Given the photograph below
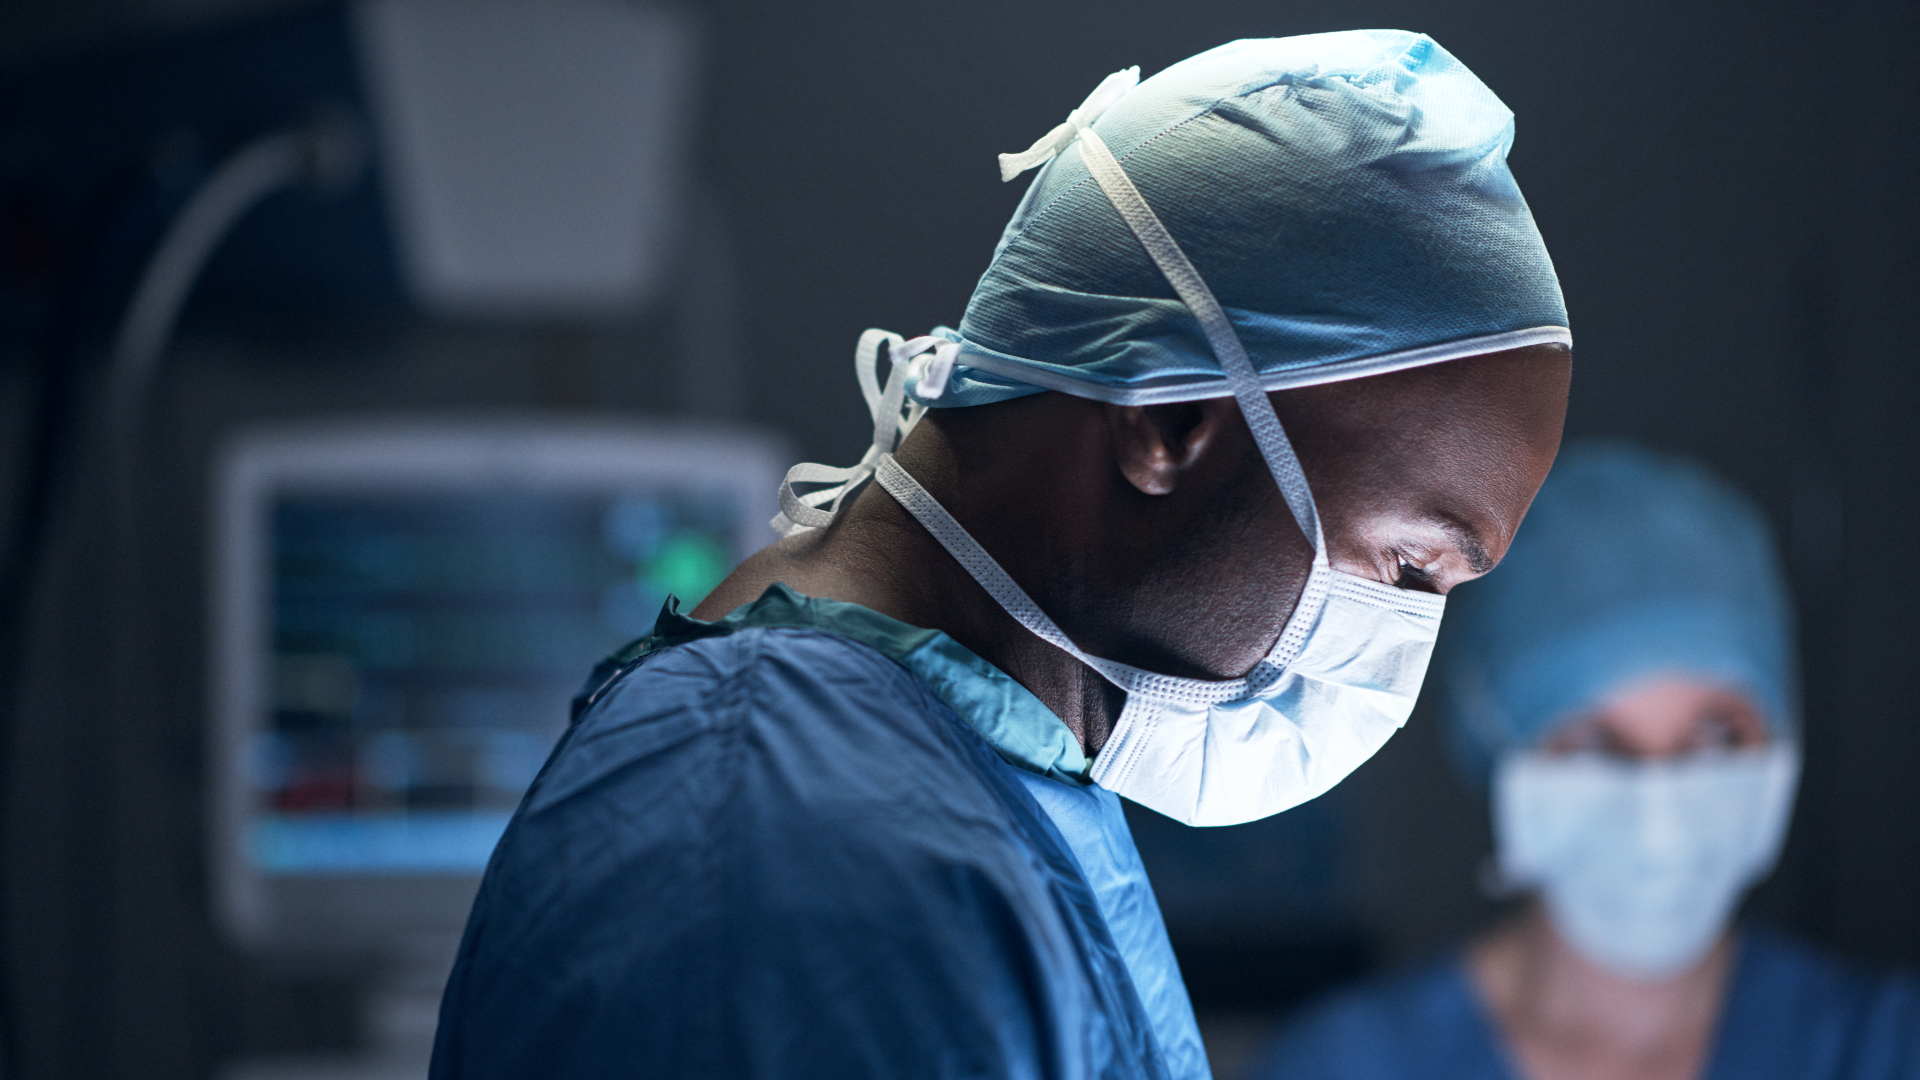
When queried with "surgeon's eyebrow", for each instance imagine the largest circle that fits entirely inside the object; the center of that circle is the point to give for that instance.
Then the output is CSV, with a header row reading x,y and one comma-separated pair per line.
x,y
1466,540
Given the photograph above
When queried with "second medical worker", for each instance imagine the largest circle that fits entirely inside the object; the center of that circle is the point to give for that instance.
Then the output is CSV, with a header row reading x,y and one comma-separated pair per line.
x,y
1625,688
1269,358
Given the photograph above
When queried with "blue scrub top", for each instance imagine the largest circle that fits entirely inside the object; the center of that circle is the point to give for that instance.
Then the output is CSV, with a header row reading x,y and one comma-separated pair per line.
x,y
809,840
1792,1012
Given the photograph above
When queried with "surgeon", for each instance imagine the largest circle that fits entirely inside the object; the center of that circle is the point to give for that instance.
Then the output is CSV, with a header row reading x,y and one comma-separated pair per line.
x,y
1270,357
1625,684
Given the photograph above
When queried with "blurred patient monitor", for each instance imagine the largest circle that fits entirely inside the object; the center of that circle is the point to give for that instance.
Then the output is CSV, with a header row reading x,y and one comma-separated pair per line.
x,y
401,610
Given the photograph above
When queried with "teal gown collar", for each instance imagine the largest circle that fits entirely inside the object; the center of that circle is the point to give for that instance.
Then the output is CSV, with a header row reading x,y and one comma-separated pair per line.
x,y
1006,714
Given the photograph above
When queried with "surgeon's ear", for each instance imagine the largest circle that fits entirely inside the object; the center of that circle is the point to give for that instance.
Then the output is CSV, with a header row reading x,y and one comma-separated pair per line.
x,y
1154,444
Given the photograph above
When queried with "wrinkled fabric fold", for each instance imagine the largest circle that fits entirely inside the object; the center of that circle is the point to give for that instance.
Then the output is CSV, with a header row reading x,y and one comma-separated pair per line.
x,y
811,840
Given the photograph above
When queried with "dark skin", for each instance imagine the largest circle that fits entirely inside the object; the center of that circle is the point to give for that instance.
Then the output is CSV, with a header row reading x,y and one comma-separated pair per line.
x,y
1155,536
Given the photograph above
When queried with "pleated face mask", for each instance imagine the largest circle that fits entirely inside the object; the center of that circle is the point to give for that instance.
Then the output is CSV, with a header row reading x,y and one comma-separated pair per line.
x,y
1642,863
1339,681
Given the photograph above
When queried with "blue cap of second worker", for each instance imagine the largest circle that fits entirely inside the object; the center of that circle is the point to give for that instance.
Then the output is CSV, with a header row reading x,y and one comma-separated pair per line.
x,y
1346,196
1630,564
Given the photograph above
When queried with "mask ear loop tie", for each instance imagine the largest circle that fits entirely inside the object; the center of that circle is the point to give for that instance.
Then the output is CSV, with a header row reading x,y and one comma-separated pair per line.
x,y
1187,283
1193,291
999,584
927,360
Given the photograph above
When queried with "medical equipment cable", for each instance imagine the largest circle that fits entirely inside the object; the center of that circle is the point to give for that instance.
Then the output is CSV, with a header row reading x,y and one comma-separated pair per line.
x,y
327,153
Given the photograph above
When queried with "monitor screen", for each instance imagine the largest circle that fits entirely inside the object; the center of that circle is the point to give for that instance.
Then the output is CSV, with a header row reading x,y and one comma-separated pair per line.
x,y
403,612
425,645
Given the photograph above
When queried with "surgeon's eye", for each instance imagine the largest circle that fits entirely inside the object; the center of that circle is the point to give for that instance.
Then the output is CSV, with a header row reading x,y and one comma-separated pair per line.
x,y
1414,578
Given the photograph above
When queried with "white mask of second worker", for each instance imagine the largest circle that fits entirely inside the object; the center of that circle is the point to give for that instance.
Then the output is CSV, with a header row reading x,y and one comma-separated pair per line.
x,y
1641,864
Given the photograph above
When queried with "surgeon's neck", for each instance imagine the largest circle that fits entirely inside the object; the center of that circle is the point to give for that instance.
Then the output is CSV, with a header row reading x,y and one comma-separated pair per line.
x,y
876,555
1563,1018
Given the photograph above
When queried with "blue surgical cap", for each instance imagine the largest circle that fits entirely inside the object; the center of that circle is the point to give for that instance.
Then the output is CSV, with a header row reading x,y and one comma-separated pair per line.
x,y
1630,565
1345,195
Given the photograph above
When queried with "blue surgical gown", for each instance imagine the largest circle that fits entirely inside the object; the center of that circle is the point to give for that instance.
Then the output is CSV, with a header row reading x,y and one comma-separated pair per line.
x,y
1791,1012
807,840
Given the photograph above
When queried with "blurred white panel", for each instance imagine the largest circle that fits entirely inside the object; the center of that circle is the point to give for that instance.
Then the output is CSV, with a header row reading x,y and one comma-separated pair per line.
x,y
532,152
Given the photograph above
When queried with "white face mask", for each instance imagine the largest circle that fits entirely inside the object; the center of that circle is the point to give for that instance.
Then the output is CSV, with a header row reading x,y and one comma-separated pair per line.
x,y
1642,863
1340,681
1346,669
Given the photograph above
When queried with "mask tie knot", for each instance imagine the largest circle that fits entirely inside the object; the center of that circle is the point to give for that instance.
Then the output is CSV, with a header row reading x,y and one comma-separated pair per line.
x,y
929,362
1111,89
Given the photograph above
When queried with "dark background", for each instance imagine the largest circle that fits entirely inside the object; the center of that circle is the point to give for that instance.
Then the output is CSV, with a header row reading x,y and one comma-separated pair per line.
x,y
1727,189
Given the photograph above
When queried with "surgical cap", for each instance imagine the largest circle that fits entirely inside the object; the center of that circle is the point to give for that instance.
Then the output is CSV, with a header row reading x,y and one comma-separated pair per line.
x,y
1345,195
1631,565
